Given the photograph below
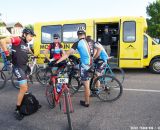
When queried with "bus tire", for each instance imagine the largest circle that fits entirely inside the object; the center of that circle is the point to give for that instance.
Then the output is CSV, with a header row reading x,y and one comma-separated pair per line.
x,y
154,66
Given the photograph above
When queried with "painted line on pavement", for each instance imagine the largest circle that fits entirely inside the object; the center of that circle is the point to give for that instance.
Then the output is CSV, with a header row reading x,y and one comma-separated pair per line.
x,y
142,90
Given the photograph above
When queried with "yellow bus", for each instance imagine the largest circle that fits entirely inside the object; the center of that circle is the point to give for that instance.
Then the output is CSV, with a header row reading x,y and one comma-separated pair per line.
x,y
131,46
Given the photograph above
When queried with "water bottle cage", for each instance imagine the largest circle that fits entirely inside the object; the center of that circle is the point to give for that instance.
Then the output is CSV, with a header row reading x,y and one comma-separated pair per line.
x,y
58,87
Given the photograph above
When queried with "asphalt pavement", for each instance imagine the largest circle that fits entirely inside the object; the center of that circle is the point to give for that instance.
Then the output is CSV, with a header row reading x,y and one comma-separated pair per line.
x,y
137,109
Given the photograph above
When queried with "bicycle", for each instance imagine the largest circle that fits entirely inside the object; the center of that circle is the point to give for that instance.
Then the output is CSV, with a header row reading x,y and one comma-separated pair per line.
x,y
60,77
114,71
32,69
43,74
8,70
108,85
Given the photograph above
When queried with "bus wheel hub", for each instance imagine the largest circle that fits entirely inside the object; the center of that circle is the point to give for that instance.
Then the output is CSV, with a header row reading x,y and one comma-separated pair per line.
x,y
156,66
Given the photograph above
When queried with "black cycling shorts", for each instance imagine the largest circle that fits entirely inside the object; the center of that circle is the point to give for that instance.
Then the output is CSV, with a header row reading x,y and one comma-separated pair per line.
x,y
21,74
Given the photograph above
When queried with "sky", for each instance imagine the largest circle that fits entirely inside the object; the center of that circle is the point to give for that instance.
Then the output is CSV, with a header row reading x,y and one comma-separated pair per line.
x,y
31,11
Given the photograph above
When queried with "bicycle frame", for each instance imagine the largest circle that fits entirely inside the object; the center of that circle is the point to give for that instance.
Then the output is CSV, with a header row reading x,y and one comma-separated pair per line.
x,y
57,95
109,68
32,66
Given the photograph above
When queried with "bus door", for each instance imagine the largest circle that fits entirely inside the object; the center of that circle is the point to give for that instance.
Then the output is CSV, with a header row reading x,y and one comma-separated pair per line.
x,y
113,28
130,44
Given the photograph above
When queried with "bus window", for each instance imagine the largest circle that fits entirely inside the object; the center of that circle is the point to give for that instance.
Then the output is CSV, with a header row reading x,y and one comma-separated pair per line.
x,y
145,47
48,31
70,32
129,31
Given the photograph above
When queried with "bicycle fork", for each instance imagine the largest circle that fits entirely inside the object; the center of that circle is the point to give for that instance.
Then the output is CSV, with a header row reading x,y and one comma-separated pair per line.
x,y
70,103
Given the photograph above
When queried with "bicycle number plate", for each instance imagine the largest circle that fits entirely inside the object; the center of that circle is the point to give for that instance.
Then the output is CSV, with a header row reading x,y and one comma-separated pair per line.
x,y
62,80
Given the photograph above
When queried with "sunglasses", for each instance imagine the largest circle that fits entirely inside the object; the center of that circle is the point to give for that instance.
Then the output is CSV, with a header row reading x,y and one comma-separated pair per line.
x,y
55,38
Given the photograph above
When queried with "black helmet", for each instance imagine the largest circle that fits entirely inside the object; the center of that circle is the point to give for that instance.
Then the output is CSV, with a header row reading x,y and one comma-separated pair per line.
x,y
28,31
56,35
81,30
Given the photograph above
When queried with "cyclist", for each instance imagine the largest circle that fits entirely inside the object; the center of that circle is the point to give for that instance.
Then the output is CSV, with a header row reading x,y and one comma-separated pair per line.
x,y
20,50
100,54
83,48
55,49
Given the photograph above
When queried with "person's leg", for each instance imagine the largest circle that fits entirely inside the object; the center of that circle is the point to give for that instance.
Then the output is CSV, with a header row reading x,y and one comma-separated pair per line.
x,y
22,91
100,70
21,76
87,91
86,82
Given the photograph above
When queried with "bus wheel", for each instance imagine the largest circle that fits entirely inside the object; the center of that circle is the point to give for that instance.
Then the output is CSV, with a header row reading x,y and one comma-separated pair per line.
x,y
155,66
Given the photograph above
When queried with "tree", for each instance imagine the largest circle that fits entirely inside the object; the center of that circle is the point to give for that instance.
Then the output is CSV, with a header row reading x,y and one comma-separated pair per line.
x,y
153,11
30,26
1,24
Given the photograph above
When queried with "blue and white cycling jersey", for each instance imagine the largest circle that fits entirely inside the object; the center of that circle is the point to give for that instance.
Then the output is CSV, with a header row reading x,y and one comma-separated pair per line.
x,y
103,55
83,49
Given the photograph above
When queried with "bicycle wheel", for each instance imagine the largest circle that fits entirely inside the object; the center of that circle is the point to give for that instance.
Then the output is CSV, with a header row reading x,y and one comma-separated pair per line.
x,y
7,71
117,73
43,75
74,85
50,96
110,89
14,81
3,80
68,110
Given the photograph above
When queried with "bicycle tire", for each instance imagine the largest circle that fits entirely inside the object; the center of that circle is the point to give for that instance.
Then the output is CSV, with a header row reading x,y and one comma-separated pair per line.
x,y
117,73
50,96
15,81
68,110
8,73
43,75
3,80
107,81
74,85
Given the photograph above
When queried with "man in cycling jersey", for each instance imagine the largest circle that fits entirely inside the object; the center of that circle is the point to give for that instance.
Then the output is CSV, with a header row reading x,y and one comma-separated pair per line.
x,y
98,52
102,55
20,50
83,48
55,49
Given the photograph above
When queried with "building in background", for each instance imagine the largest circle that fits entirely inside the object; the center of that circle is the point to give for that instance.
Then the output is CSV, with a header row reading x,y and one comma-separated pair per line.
x,y
15,28
11,29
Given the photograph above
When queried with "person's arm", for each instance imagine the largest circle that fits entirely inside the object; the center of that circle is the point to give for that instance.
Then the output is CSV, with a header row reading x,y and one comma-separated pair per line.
x,y
30,51
63,52
97,53
3,44
46,52
66,55
69,52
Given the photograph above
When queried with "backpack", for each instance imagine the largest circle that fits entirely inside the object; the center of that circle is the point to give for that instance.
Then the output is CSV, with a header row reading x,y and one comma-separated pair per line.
x,y
29,104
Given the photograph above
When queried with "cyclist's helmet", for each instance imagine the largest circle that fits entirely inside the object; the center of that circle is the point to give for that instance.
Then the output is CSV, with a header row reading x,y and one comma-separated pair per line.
x,y
56,36
81,30
28,31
